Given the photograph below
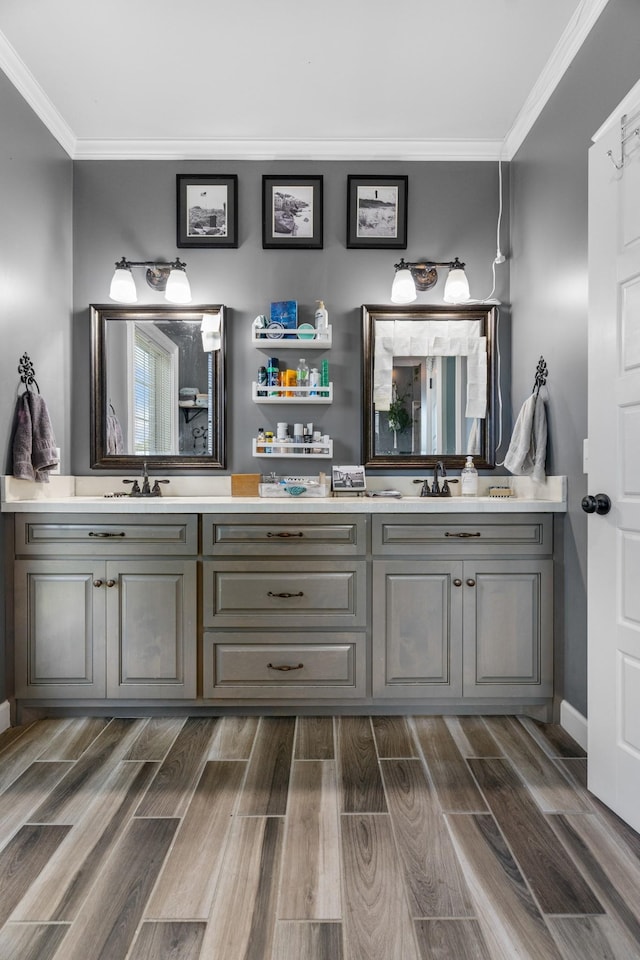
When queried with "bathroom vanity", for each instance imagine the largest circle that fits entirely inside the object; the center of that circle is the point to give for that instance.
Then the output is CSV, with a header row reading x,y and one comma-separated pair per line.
x,y
220,603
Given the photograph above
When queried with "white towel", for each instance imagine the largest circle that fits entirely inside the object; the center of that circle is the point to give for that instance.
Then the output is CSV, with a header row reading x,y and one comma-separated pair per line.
x,y
527,451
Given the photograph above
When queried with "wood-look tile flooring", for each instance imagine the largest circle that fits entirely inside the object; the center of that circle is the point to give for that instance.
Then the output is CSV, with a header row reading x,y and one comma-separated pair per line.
x,y
353,838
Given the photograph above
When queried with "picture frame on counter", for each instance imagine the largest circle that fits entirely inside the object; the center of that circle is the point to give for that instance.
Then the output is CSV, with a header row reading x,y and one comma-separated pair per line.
x,y
207,210
292,214
377,212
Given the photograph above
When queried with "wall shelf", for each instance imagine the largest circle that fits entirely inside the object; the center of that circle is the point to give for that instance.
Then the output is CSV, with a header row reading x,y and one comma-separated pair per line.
x,y
299,394
316,451
289,340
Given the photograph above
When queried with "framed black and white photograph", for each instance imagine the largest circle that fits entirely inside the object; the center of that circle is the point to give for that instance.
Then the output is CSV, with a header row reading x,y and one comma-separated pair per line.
x,y
348,478
207,210
292,212
377,212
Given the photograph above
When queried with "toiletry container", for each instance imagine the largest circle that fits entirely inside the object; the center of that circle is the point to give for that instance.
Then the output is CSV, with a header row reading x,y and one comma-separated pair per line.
x,y
314,382
302,376
322,320
469,479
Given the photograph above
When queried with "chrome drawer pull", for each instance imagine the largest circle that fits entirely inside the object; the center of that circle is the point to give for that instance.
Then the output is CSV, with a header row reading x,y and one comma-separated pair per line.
x,y
457,582
97,583
106,534
111,583
285,667
462,536
285,596
284,535
471,582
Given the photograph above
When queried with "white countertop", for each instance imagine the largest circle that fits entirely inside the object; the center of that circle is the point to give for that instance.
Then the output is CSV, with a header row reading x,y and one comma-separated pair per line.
x,y
212,495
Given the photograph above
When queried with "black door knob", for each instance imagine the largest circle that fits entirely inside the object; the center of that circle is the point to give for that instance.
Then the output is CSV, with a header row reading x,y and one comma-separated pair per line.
x,y
600,504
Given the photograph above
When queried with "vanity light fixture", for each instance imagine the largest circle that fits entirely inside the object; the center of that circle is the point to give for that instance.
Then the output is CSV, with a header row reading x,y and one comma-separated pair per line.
x,y
169,278
423,274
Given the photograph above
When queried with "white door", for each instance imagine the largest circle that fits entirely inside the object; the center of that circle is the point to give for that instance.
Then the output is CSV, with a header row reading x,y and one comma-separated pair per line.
x,y
614,465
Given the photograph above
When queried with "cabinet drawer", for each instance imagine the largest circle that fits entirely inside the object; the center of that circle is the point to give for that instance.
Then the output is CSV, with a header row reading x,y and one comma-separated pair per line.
x,y
446,535
248,665
319,593
301,535
116,535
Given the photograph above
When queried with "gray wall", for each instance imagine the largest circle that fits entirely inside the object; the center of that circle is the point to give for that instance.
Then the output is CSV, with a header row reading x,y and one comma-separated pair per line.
x,y
128,208
35,269
549,283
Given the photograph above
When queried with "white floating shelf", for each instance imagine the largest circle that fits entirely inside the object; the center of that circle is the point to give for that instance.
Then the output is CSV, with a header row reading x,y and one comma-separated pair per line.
x,y
289,340
311,450
298,394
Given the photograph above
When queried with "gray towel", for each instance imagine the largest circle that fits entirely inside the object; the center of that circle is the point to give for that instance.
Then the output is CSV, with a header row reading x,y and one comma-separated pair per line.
x,y
115,442
527,451
34,445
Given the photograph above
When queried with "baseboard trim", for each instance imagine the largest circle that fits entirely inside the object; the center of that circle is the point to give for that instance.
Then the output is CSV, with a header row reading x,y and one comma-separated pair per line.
x,y
5,716
574,723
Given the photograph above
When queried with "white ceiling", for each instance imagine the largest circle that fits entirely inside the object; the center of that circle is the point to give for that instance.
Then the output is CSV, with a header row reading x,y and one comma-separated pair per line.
x,y
353,79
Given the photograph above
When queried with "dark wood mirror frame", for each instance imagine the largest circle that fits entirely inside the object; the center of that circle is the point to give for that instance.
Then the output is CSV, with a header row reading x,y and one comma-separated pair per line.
x,y
370,315
100,458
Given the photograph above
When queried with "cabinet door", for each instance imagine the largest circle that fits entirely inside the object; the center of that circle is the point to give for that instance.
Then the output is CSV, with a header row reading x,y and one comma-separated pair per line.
x,y
508,628
151,623
60,629
417,629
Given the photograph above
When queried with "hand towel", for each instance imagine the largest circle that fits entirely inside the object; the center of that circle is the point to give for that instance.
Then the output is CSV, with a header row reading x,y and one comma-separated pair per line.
x,y
34,444
527,451
115,442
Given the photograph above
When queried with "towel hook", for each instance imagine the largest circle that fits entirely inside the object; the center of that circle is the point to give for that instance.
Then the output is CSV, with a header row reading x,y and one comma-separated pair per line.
x,y
541,375
27,373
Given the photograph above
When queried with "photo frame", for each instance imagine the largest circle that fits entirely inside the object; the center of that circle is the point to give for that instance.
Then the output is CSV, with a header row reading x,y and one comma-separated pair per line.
x,y
292,213
207,210
377,212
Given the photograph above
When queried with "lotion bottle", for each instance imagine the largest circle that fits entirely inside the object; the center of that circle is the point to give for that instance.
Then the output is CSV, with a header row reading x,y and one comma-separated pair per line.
x,y
322,321
469,478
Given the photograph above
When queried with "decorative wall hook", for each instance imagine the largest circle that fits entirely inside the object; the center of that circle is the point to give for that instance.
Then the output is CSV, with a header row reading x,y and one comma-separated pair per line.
x,y
541,375
27,373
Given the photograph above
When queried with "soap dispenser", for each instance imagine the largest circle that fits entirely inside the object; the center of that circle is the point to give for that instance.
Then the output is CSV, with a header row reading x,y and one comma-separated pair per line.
x,y
469,477
322,321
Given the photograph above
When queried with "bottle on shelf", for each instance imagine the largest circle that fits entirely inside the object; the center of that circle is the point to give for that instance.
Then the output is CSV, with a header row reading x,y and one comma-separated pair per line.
x,y
322,321
262,381
273,374
324,377
314,382
302,376
268,441
469,478
260,441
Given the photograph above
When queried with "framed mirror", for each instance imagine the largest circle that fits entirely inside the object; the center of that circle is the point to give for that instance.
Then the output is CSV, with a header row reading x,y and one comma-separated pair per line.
x,y
158,387
428,385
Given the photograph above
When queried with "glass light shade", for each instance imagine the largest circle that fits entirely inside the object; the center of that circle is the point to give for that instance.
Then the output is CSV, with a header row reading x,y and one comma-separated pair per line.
x,y
404,288
123,286
456,288
178,288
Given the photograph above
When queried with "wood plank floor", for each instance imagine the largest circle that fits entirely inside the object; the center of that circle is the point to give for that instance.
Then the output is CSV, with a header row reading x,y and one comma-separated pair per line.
x,y
311,838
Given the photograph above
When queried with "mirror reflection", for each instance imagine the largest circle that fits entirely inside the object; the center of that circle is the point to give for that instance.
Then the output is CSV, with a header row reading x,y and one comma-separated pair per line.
x,y
428,385
158,386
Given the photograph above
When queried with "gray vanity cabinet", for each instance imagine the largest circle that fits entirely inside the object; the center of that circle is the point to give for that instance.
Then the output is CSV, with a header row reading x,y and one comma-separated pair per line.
x,y
284,607
91,627
474,620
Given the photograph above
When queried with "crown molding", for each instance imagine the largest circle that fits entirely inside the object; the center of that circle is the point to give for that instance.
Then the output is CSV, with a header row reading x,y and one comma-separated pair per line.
x,y
313,149
26,84
362,149
573,36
